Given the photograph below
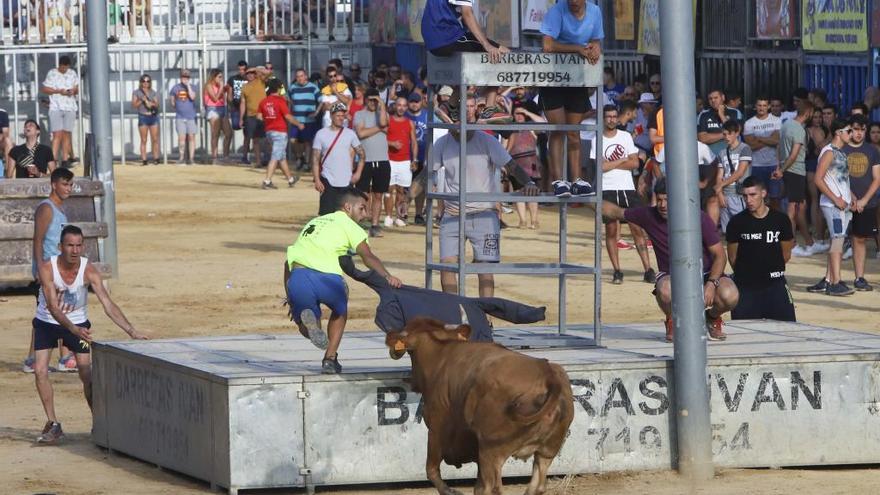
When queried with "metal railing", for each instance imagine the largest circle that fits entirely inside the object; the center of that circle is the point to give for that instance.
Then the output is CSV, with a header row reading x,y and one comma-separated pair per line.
x,y
156,21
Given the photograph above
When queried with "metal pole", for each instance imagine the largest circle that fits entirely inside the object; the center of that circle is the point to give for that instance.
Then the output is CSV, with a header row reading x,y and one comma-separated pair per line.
x,y
99,101
693,426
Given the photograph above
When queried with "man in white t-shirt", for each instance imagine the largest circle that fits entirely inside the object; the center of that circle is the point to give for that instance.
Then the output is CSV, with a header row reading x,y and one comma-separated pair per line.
x,y
761,133
332,159
62,86
619,158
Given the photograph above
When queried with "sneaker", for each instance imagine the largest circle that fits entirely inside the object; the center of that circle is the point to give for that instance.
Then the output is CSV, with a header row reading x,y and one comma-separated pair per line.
x,y
419,220
802,251
617,278
388,221
621,244
52,434
848,253
398,222
715,328
331,366
67,364
292,180
668,324
581,187
561,189
650,276
838,289
155,162
821,246
821,286
507,210
375,231
316,334
145,163
28,365
862,284
267,184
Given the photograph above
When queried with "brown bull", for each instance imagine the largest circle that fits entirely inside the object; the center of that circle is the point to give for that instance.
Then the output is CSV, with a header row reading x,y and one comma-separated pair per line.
x,y
484,403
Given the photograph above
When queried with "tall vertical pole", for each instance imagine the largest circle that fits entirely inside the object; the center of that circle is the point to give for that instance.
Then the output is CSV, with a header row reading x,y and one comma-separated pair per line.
x,y
99,102
693,426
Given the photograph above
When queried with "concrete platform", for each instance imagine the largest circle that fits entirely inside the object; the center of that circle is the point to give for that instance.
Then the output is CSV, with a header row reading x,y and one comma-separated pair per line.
x,y
252,411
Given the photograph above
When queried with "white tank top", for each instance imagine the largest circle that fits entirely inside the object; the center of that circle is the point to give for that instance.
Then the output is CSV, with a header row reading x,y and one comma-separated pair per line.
x,y
74,294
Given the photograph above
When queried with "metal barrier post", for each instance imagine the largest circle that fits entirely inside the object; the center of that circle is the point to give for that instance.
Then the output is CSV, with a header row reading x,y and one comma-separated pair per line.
x,y
99,99
693,425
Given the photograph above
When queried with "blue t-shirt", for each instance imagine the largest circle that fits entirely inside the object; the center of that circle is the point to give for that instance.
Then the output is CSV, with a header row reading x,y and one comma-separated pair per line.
x,y
441,22
303,101
421,124
614,92
561,25
184,103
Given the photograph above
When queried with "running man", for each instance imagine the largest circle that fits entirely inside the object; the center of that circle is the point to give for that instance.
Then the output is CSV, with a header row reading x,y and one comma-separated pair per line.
x,y
62,313
312,275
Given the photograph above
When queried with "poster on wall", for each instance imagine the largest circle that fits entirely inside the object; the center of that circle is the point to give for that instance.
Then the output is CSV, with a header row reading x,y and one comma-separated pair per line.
x,y
624,20
831,25
775,19
875,24
649,26
382,21
498,18
414,10
533,13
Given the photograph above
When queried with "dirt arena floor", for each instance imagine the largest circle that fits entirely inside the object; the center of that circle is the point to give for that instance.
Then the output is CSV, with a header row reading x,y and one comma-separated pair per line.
x,y
187,232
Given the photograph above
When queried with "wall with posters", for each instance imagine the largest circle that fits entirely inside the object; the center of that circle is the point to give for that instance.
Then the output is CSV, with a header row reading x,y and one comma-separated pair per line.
x,y
382,21
775,19
840,26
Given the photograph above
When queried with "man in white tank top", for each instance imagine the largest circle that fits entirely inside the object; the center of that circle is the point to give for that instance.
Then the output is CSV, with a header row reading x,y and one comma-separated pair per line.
x,y
62,314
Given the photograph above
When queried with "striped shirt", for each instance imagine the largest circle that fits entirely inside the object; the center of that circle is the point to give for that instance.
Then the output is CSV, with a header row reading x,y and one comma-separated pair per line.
x,y
303,101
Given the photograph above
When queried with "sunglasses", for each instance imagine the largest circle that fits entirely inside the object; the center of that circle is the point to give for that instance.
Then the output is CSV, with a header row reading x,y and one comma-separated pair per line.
x,y
848,131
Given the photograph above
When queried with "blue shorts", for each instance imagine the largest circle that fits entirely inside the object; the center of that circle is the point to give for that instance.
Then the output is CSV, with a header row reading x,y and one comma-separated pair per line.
x,y
279,145
308,289
305,135
46,336
147,120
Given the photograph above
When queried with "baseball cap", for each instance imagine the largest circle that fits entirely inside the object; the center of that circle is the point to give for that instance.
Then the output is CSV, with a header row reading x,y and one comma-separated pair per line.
x,y
371,92
647,98
338,107
445,91
415,97
185,73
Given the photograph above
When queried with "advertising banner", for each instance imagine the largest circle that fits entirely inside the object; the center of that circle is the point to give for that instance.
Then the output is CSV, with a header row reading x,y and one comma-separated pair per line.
x,y
382,21
649,26
624,20
533,13
775,19
834,26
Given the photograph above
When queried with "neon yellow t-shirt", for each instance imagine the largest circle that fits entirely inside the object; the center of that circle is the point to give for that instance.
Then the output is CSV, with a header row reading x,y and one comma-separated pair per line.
x,y
323,240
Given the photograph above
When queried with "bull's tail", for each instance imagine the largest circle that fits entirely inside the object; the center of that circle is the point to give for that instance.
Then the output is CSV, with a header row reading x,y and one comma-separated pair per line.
x,y
551,400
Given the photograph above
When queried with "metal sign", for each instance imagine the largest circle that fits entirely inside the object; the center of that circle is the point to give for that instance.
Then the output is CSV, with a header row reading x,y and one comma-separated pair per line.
x,y
516,69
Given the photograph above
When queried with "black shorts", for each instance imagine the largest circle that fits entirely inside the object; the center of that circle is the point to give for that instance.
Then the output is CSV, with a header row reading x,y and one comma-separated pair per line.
x,y
621,198
329,198
376,177
795,187
253,128
772,302
46,336
864,224
467,43
573,100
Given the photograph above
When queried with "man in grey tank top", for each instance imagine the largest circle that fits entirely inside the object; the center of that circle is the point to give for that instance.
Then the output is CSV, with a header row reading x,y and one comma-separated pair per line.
x,y
49,219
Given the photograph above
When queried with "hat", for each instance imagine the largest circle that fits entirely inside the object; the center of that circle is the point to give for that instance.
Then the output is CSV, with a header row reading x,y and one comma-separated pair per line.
x,y
445,91
415,97
184,73
647,98
338,107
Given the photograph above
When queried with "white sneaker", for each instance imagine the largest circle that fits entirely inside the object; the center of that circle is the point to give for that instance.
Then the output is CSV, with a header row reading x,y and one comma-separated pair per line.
x,y
801,251
507,210
398,222
821,247
388,221
847,254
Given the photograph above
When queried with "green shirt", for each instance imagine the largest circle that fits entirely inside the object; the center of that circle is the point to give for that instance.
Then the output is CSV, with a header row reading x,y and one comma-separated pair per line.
x,y
323,240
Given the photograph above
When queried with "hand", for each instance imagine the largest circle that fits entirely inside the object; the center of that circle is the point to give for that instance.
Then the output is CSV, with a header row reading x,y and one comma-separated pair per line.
x,y
594,51
531,189
355,177
859,205
722,201
393,281
319,186
135,335
33,171
777,174
83,333
413,165
395,145
495,52
241,122
300,126
708,294
839,202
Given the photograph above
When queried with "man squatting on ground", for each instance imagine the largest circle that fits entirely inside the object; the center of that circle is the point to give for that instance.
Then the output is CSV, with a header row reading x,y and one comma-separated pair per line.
x,y
312,275
62,313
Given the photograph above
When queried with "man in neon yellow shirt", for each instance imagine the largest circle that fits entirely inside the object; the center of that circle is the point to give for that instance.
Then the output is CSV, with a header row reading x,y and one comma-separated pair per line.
x,y
312,275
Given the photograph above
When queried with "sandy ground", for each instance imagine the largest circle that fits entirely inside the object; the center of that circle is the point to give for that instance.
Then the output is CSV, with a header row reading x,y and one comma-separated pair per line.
x,y
185,232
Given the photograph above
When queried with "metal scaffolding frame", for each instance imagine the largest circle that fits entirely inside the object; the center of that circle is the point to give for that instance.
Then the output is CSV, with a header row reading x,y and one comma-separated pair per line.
x,y
462,70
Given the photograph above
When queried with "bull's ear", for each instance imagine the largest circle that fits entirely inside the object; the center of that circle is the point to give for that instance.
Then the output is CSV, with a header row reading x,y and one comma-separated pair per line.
x,y
463,332
396,342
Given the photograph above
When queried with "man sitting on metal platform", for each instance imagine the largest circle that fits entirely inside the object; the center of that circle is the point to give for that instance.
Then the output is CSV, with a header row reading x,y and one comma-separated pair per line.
x,y
450,26
720,294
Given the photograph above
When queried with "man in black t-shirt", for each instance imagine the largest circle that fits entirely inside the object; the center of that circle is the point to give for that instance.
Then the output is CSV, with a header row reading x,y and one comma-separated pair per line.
x,y
233,93
31,159
863,161
710,121
759,242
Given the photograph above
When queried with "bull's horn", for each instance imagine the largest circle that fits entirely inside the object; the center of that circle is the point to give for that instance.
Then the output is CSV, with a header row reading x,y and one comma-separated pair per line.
x,y
464,318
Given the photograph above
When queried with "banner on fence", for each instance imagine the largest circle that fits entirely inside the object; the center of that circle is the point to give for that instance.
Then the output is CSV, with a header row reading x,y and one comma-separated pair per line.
x,y
649,26
533,13
775,19
624,20
834,26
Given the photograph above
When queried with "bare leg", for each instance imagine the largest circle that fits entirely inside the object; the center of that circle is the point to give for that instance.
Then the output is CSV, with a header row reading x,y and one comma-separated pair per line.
x,y
521,214
664,295
611,230
67,145
726,298
574,146
815,212
335,329
142,130
270,170
84,367
486,283
556,116
641,242
860,251
154,141
215,137
448,280
44,386
191,141
375,207
57,145
226,127
834,259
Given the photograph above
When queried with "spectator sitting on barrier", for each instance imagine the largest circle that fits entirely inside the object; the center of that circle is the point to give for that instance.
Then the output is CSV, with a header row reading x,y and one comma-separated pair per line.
x,y
759,242
62,313
62,86
574,26
719,292
312,275
145,101
215,111
31,159
450,26
184,100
